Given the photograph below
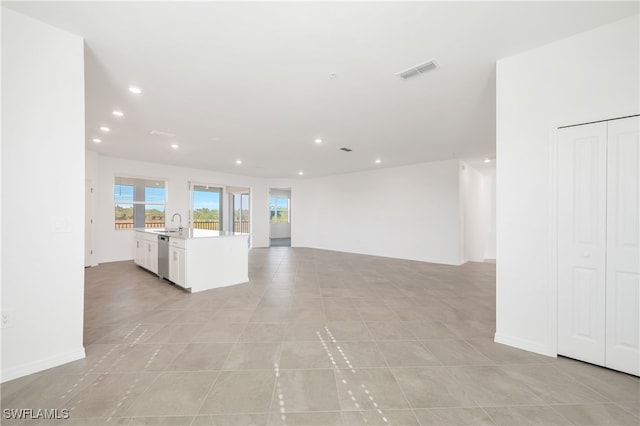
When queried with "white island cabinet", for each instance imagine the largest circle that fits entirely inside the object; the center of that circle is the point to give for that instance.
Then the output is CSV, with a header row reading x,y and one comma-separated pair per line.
x,y
177,261
197,259
146,251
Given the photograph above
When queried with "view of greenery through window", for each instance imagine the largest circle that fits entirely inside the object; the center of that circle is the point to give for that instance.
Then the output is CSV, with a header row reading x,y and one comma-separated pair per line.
x,y
279,208
139,203
206,207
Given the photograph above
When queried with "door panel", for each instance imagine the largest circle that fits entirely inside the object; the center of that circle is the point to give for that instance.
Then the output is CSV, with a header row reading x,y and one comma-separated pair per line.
x,y
623,255
585,306
582,241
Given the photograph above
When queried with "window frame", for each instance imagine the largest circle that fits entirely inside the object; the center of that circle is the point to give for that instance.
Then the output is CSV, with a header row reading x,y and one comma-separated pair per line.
x,y
139,182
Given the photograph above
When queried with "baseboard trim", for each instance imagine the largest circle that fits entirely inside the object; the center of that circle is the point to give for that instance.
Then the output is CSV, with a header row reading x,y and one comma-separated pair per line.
x,y
40,365
523,344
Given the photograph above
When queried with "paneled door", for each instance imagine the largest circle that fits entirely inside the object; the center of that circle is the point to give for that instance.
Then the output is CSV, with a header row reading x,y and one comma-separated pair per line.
x,y
623,238
582,169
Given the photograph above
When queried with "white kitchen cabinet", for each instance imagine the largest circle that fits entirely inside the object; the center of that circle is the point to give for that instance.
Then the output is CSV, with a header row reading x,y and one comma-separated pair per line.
x,y
198,259
177,262
146,251
137,252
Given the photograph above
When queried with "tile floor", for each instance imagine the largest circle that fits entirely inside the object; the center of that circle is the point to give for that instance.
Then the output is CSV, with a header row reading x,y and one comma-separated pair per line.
x,y
316,338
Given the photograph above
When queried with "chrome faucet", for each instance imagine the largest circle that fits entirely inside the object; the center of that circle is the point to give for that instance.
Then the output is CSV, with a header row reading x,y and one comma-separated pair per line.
x,y
180,217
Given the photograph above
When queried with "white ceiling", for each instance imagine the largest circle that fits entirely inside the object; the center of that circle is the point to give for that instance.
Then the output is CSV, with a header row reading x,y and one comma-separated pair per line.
x,y
251,81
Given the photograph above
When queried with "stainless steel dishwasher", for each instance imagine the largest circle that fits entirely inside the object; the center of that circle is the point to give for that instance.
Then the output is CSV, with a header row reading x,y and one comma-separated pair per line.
x,y
163,256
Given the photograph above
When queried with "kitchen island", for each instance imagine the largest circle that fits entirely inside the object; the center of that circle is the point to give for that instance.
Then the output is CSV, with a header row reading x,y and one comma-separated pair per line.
x,y
194,259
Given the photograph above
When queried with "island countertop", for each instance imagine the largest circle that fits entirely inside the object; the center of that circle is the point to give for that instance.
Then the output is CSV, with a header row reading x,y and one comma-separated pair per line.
x,y
190,233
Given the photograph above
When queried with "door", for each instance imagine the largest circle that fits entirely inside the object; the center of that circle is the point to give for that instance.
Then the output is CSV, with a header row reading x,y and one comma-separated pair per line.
x,y
623,238
240,205
582,159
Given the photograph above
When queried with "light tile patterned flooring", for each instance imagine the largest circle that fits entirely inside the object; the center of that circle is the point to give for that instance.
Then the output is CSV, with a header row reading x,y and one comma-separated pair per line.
x,y
316,338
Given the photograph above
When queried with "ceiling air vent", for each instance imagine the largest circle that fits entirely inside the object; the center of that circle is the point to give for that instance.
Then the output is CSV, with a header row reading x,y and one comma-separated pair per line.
x,y
163,134
345,149
421,68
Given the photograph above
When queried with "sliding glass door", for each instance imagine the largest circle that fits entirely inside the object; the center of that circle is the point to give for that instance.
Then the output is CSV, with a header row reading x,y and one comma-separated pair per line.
x,y
206,207
240,213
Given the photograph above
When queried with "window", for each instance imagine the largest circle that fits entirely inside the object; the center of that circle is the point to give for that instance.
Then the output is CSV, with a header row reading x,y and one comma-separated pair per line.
x,y
279,208
206,207
139,203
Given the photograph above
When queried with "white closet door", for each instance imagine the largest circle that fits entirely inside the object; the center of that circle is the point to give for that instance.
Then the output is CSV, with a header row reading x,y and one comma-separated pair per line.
x,y
623,239
582,156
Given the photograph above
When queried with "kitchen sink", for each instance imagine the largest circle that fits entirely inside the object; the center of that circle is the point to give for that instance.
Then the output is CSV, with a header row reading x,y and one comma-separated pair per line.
x,y
166,231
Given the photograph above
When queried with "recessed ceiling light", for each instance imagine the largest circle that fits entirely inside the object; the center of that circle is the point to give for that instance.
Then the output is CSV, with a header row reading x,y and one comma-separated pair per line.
x,y
318,140
105,129
118,113
96,140
238,161
134,89
487,160
378,161
300,172
175,146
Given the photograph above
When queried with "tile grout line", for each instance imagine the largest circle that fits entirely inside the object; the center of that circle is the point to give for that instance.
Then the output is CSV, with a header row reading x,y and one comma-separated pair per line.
x,y
404,395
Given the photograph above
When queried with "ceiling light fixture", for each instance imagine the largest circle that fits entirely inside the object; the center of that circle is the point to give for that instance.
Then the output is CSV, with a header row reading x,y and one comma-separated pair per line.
x,y
238,161
117,113
487,160
135,90
96,140
175,146
318,140
105,129
378,161
300,172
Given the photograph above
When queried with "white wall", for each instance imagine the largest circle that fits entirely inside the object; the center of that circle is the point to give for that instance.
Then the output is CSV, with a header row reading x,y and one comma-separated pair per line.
x,y
490,249
42,195
114,245
281,230
590,76
91,176
409,212
476,200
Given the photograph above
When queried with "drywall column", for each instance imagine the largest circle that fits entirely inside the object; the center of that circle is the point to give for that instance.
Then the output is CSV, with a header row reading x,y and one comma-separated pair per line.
x,y
538,91
42,195
475,193
490,249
